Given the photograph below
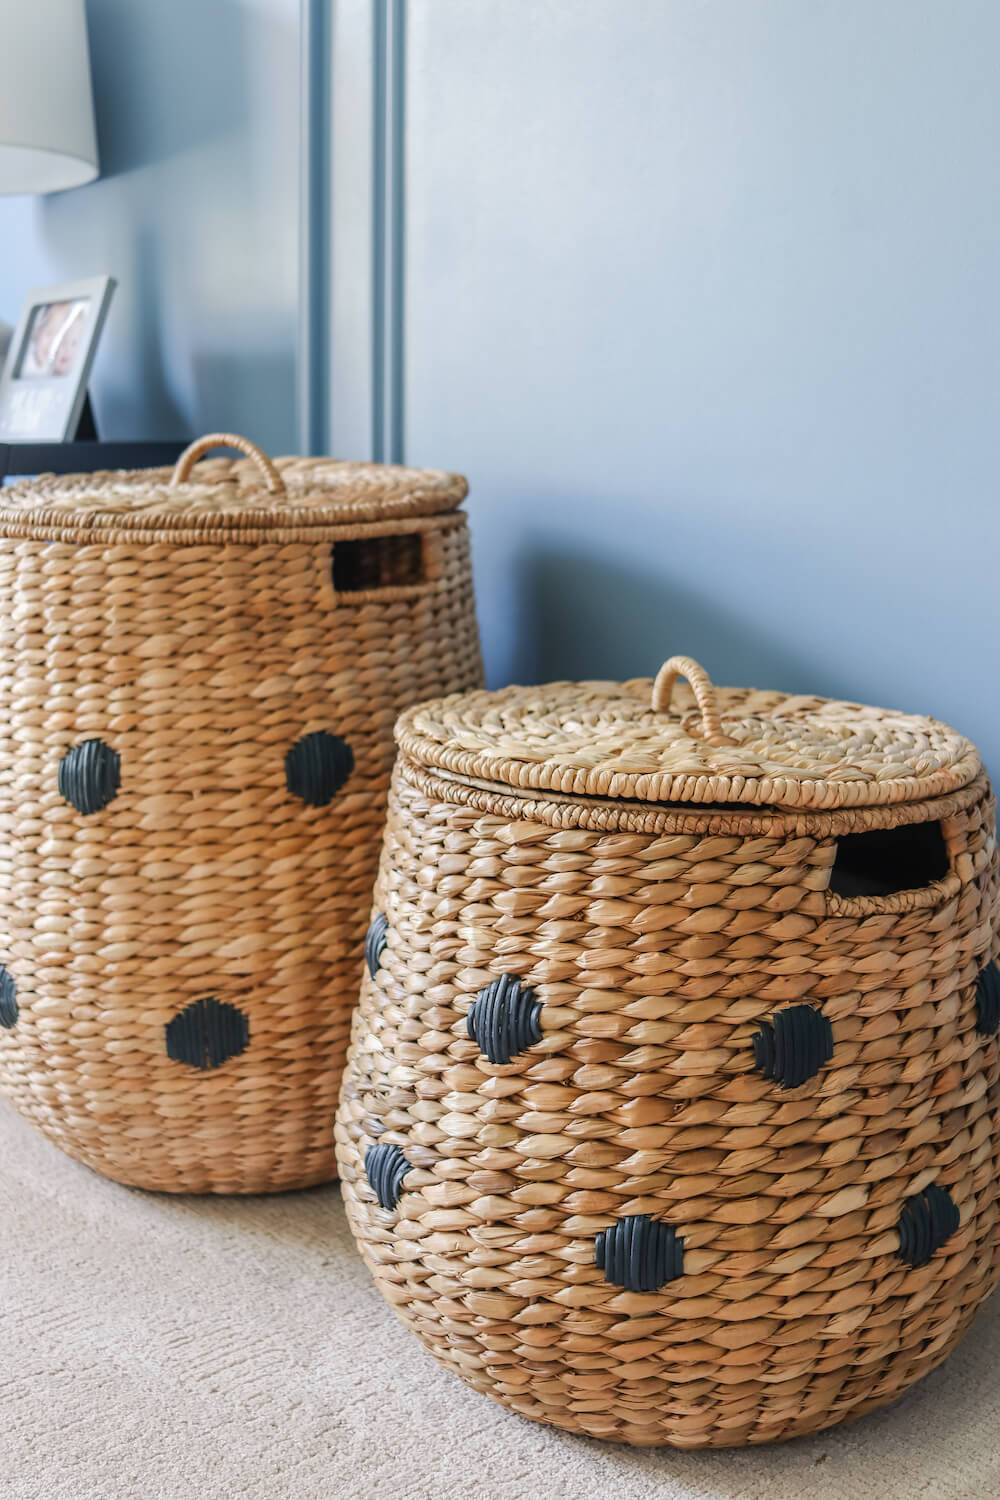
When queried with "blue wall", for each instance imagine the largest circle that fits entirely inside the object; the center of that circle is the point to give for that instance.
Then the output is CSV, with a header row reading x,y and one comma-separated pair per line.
x,y
195,214
704,298
702,295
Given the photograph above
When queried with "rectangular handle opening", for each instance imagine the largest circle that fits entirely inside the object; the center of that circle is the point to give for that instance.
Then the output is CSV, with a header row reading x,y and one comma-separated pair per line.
x,y
366,564
882,861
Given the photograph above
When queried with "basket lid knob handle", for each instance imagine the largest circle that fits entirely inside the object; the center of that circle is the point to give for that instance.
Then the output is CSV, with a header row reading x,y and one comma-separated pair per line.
x,y
704,692
201,446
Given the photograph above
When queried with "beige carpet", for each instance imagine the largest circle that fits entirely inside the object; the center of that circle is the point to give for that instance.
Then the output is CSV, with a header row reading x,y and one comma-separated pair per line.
x,y
204,1347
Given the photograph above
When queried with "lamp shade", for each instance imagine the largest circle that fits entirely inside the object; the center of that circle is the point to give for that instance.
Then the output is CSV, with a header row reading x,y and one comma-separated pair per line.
x,y
47,136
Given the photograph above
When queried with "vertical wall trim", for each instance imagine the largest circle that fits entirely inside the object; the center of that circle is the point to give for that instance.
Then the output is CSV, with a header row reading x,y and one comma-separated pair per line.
x,y
352,257
397,386
388,137
314,218
380,215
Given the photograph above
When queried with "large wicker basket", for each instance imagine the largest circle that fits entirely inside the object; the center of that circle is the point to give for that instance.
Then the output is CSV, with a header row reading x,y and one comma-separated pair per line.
x,y
200,675
670,1114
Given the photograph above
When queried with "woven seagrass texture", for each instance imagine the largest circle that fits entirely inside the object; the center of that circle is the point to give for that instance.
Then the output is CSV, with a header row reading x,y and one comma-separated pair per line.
x,y
645,1226
604,739
253,499
195,750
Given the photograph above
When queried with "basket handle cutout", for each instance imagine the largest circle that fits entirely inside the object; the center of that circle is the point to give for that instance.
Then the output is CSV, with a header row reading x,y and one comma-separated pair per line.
x,y
370,564
704,692
202,445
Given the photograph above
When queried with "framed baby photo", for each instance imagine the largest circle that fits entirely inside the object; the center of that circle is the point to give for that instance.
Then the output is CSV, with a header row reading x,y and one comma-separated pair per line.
x,y
44,381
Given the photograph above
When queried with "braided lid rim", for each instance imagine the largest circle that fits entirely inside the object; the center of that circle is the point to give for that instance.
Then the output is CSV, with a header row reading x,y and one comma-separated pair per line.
x,y
602,739
224,496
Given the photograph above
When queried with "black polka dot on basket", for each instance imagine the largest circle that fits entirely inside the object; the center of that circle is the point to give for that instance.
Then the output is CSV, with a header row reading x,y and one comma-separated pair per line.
x,y
504,1019
317,766
375,942
207,1033
794,1046
988,1000
926,1222
8,998
385,1168
90,776
639,1253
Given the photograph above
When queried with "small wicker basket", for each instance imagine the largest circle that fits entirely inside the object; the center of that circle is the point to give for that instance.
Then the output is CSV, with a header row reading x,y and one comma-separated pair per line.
x,y
670,1112
201,671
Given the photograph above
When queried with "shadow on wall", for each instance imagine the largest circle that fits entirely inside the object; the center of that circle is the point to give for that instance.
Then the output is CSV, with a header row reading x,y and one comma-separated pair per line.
x,y
159,89
141,290
585,616
552,611
230,384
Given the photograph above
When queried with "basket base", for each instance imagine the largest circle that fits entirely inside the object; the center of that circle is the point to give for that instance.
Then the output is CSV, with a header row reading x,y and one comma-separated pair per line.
x,y
711,1421
236,1163
212,1186
203,1179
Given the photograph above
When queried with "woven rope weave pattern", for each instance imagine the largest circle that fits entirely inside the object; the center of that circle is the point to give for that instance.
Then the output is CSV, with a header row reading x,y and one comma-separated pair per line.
x,y
227,498
658,941
184,912
600,739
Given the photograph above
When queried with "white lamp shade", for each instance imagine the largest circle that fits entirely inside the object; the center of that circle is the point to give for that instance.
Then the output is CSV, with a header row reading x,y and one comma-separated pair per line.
x,y
47,136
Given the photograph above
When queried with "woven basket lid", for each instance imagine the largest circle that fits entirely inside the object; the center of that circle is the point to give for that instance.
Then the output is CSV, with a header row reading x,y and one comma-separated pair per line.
x,y
645,741
250,499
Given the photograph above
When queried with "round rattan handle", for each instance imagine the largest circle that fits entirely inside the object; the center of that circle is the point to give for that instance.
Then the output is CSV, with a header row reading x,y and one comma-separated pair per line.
x,y
195,450
704,692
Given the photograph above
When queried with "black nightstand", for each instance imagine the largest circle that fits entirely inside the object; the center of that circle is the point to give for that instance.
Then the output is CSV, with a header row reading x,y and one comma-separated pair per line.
x,y
84,457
